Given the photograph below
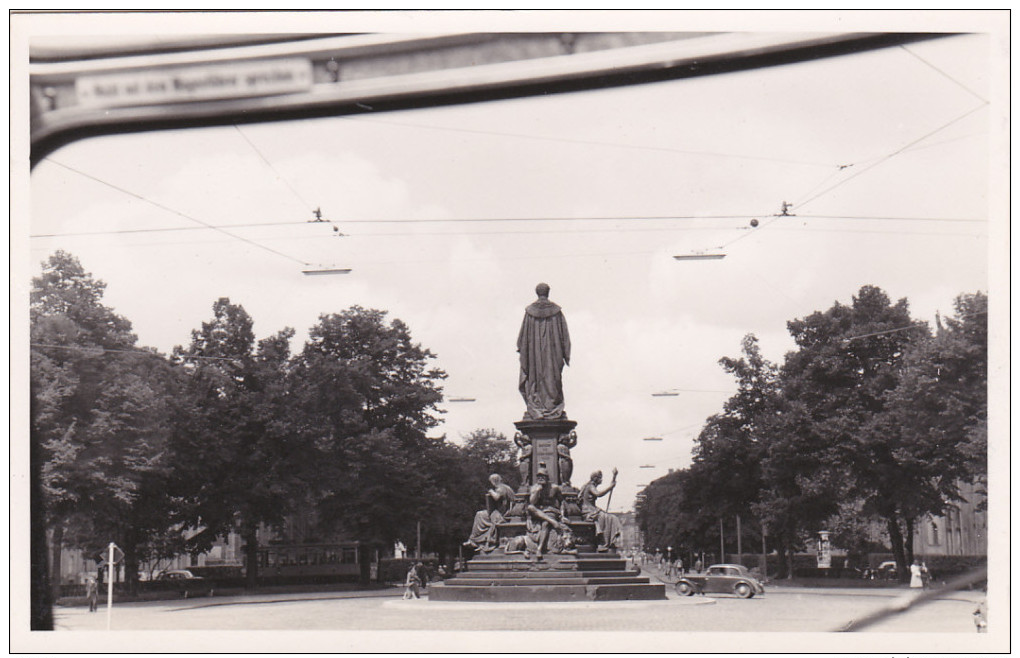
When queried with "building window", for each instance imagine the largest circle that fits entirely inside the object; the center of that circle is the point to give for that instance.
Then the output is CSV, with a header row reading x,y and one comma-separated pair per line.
x,y
934,534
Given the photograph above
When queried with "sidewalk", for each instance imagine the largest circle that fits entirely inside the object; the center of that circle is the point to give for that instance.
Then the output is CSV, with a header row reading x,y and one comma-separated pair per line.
x,y
893,590
278,595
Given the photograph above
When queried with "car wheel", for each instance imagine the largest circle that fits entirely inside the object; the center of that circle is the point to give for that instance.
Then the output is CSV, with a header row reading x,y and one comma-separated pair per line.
x,y
743,590
684,589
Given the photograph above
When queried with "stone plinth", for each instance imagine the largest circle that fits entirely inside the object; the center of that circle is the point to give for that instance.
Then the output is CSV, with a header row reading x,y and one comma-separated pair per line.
x,y
586,576
544,435
581,574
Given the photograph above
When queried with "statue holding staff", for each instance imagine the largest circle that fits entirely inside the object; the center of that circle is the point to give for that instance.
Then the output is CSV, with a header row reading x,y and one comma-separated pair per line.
x,y
606,525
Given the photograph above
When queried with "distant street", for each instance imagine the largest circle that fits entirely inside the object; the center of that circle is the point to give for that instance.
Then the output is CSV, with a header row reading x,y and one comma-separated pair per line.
x,y
781,609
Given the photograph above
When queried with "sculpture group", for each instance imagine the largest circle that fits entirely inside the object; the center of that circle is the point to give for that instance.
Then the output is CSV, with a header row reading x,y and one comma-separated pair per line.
x,y
548,540
546,500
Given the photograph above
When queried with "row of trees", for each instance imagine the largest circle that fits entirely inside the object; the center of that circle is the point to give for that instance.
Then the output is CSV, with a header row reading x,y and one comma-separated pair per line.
x,y
164,453
873,418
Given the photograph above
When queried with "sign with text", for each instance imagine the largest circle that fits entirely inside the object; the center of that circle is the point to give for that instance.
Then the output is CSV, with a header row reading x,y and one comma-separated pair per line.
x,y
195,83
545,452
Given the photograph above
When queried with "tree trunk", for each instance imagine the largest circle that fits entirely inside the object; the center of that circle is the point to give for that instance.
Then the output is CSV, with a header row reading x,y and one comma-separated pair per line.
x,y
131,565
909,541
789,562
899,554
41,596
251,556
56,551
364,564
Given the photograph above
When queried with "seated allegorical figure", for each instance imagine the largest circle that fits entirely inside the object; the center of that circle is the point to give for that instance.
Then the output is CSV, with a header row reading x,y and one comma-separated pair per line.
x,y
498,501
606,525
544,512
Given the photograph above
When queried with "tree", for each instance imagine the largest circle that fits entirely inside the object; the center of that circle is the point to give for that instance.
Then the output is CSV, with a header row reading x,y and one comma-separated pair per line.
x,y
458,480
939,410
838,384
725,477
368,396
495,453
242,460
99,413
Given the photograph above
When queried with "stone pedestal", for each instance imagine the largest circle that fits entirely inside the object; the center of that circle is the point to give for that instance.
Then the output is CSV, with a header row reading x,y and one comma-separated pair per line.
x,y
581,574
545,435
586,576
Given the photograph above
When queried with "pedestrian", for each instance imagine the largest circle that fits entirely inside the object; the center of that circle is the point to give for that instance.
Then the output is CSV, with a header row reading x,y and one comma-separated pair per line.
x,y
423,575
925,575
916,582
981,617
92,593
678,568
698,565
412,583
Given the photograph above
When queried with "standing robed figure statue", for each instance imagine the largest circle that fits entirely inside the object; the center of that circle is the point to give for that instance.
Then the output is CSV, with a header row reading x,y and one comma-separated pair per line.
x,y
544,347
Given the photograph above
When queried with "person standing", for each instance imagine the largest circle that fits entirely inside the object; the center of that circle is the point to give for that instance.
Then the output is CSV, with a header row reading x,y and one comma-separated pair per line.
x,y
916,582
412,583
544,347
92,593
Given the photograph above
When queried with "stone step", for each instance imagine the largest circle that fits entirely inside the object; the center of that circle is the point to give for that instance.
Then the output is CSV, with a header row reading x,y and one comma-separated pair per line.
x,y
547,565
539,580
551,572
549,593
580,555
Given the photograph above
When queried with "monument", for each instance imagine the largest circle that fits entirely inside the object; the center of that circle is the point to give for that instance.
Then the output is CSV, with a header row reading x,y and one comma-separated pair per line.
x,y
552,543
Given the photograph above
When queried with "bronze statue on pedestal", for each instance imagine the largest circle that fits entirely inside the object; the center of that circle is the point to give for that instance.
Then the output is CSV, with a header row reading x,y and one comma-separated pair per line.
x,y
544,347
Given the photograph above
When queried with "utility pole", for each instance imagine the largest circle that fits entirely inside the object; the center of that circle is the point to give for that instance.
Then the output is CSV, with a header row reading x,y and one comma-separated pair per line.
x,y
722,542
740,548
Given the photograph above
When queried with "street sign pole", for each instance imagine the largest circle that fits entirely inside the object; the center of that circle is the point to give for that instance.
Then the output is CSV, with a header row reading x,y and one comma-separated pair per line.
x,y
115,556
109,587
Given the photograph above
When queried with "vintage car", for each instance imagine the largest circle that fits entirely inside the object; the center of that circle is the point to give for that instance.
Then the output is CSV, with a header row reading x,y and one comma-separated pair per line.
x,y
178,574
721,578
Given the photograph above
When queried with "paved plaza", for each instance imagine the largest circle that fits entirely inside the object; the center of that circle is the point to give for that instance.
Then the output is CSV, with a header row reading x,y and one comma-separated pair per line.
x,y
786,618
781,609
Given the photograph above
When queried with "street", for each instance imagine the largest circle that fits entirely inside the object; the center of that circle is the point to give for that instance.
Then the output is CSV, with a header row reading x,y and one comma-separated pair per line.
x,y
781,609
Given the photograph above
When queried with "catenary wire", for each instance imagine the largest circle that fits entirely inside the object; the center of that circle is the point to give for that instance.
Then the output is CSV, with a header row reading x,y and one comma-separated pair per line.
x,y
568,140
949,77
886,157
290,187
99,351
622,218
180,214
911,326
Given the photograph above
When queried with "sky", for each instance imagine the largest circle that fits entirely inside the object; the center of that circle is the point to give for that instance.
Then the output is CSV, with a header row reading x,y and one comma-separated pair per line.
x,y
450,217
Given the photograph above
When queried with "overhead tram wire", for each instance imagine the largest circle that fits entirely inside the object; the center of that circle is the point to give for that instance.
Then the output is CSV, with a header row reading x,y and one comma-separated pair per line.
x,y
319,270
180,214
283,180
623,218
880,160
915,325
886,157
946,75
100,351
568,140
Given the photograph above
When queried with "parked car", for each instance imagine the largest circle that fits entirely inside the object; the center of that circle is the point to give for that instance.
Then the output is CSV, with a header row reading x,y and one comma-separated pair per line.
x,y
886,571
178,574
721,579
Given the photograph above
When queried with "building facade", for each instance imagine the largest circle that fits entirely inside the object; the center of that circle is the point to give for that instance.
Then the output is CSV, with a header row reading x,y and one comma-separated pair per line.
x,y
961,530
